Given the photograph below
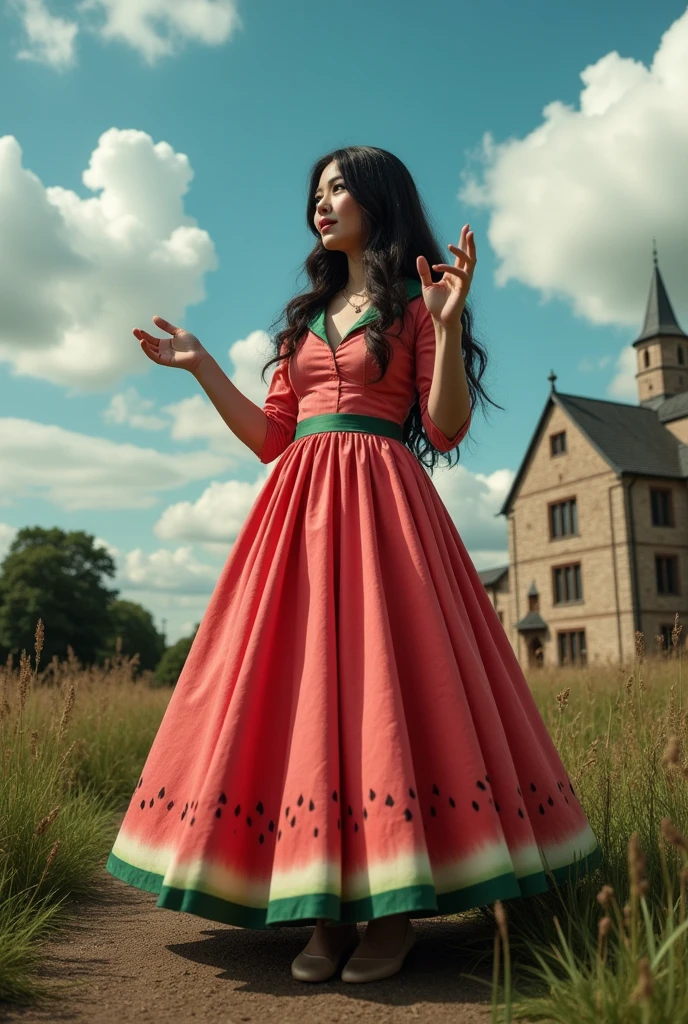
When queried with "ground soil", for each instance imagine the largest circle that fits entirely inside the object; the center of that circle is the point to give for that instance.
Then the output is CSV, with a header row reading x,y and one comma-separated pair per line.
x,y
135,962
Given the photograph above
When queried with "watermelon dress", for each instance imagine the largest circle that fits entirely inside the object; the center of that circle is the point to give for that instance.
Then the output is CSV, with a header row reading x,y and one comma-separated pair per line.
x,y
352,734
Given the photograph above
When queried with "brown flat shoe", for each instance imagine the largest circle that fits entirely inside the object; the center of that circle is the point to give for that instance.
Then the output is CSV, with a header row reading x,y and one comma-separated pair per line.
x,y
374,968
317,967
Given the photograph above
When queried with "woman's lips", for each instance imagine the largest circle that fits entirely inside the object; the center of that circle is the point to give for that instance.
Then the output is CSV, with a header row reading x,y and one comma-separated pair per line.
x,y
326,226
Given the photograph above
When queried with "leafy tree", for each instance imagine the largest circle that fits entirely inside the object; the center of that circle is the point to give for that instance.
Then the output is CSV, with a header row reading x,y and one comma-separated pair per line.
x,y
135,625
57,576
172,662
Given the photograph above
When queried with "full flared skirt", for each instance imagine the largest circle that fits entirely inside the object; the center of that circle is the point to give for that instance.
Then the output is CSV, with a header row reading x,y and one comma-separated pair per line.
x,y
352,734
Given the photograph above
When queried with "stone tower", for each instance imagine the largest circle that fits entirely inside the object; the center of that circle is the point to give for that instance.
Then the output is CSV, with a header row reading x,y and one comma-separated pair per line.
x,y
662,347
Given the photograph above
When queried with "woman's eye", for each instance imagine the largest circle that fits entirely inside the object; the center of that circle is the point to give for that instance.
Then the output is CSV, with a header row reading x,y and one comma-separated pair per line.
x,y
339,185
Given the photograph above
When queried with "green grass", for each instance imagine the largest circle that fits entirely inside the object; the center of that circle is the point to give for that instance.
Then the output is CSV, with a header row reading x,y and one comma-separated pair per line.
x,y
73,741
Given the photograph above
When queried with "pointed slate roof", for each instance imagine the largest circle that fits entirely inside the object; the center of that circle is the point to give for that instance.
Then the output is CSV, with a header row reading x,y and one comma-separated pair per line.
x,y
632,439
660,318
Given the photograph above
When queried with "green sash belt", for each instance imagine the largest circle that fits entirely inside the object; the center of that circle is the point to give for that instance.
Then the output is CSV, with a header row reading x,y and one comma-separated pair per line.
x,y
348,421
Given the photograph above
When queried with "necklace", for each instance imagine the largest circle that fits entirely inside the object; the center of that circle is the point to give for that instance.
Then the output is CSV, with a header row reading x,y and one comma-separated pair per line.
x,y
357,308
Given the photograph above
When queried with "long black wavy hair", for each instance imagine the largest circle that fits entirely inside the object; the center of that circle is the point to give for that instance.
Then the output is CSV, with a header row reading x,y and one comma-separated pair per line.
x,y
396,230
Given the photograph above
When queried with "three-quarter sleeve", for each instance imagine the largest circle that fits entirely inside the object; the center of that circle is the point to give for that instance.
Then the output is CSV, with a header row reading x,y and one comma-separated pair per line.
x,y
281,407
424,347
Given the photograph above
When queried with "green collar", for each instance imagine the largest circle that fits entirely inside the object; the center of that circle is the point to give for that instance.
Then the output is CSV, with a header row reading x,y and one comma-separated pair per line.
x,y
317,324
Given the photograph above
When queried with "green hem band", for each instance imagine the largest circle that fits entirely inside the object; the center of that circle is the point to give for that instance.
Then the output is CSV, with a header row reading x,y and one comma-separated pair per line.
x,y
417,900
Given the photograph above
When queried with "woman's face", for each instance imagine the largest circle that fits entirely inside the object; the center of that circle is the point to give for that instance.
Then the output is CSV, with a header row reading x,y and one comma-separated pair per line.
x,y
334,202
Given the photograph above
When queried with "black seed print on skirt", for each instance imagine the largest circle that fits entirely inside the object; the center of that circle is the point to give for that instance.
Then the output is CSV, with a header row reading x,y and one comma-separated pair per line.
x,y
452,802
435,790
372,794
520,813
389,801
481,785
259,807
222,799
408,814
412,794
170,805
311,805
334,795
261,838
161,793
299,801
475,805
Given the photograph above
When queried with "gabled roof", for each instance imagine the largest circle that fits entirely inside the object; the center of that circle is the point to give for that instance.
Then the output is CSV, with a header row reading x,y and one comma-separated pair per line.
x,y
489,577
631,439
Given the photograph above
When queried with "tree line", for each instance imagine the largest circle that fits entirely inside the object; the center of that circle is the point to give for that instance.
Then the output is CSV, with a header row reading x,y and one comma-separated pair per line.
x,y
61,577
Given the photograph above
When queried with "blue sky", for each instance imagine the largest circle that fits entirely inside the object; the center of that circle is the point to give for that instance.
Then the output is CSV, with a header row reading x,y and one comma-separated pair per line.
x,y
159,165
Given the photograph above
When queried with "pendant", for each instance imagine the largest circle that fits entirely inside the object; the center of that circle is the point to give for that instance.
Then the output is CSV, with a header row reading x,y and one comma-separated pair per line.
x,y
357,308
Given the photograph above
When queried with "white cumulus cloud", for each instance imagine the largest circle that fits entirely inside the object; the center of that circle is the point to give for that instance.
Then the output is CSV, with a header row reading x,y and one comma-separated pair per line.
x,y
75,471
575,204
216,516
77,274
131,408
50,39
177,571
153,28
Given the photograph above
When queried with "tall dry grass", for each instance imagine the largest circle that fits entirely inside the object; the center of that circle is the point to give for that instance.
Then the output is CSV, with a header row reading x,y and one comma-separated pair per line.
x,y
72,742
615,949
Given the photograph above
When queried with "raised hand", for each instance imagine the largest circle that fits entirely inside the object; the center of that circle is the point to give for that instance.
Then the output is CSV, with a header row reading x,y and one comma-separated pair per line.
x,y
183,349
445,299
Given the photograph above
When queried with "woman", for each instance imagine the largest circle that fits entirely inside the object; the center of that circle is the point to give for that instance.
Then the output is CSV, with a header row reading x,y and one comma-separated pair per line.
x,y
352,738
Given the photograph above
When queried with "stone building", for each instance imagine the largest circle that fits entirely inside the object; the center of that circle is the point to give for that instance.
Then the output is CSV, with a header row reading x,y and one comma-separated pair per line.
x,y
597,515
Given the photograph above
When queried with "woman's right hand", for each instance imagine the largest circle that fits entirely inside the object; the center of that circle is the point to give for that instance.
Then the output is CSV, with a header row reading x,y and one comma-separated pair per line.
x,y
183,349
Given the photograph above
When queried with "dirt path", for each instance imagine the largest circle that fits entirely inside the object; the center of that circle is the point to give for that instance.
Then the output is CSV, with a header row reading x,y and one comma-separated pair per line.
x,y
138,962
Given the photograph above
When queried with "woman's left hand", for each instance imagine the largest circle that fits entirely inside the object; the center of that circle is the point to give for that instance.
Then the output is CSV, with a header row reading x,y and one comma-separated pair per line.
x,y
445,299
